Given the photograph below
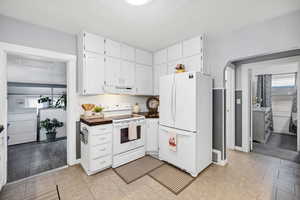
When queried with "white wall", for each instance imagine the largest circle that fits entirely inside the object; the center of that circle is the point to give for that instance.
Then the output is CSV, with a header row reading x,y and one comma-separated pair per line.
x,y
27,70
281,33
26,34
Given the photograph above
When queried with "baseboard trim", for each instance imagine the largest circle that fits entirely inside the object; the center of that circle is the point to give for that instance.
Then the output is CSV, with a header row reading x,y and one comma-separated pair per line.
x,y
238,148
221,163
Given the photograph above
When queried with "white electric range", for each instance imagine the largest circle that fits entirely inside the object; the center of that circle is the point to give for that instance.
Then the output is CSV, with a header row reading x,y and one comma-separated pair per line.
x,y
124,149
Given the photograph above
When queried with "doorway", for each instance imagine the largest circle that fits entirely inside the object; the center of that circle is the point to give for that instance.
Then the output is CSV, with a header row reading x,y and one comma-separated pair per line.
x,y
36,97
270,107
71,115
274,111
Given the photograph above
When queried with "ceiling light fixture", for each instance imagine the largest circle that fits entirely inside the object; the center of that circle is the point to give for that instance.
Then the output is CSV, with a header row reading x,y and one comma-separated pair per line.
x,y
138,2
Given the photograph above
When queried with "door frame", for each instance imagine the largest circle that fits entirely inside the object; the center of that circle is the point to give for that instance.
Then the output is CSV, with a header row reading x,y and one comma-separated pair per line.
x,y
230,106
72,115
247,96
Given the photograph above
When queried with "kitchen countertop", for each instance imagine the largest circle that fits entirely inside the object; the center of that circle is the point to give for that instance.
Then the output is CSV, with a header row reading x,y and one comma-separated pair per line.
x,y
146,114
96,121
108,120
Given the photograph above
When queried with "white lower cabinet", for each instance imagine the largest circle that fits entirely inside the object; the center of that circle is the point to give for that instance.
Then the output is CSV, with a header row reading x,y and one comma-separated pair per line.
x,y
152,136
96,147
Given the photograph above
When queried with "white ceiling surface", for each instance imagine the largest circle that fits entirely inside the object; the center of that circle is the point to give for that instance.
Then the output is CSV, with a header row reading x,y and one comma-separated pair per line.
x,y
152,26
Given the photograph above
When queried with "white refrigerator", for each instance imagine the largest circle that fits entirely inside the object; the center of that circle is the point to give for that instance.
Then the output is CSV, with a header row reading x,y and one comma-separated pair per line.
x,y
185,130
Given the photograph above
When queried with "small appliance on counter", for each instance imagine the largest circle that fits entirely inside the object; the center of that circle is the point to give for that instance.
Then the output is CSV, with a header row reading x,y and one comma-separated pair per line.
x,y
136,108
152,105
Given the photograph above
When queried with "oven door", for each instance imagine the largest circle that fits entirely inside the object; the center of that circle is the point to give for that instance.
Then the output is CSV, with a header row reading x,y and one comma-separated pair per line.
x,y
121,138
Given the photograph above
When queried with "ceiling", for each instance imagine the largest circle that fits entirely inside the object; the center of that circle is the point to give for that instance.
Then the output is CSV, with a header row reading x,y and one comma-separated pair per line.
x,y
152,26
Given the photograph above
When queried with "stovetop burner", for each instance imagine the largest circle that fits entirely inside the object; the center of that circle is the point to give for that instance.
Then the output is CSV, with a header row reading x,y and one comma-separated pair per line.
x,y
120,117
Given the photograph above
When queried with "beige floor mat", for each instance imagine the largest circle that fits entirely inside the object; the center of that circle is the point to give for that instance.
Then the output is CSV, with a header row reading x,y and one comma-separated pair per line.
x,y
138,168
172,178
51,195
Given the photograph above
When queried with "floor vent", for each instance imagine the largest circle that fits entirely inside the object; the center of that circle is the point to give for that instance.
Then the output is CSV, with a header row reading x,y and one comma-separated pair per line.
x,y
216,156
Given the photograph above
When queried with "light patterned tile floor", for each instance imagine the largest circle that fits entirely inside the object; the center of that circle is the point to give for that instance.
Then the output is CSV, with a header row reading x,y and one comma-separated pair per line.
x,y
247,176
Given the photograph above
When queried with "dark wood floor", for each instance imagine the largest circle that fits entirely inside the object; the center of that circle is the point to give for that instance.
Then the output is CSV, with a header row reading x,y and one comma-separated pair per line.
x,y
29,159
279,145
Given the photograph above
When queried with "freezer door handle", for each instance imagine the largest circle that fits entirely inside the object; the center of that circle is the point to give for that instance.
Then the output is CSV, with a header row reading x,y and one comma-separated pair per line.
x,y
166,130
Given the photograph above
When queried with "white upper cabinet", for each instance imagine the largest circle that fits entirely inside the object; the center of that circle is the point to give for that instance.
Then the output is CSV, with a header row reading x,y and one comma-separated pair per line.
x,y
112,48
112,72
160,57
93,74
143,57
159,70
127,74
192,46
194,63
175,52
93,43
127,52
144,80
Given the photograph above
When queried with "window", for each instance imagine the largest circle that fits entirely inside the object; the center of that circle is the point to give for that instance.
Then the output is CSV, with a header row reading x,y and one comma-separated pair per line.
x,y
284,80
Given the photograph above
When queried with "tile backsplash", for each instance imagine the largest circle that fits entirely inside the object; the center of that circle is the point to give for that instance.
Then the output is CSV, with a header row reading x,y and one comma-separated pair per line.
x,y
108,99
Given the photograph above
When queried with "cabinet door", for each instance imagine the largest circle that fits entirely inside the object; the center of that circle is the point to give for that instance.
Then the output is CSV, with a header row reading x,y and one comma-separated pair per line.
x,y
143,57
193,63
152,135
127,52
93,43
127,74
143,78
112,48
175,52
112,71
160,57
192,46
93,74
159,70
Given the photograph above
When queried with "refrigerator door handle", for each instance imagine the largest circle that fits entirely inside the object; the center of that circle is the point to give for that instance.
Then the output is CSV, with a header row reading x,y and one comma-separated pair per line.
x,y
175,106
172,101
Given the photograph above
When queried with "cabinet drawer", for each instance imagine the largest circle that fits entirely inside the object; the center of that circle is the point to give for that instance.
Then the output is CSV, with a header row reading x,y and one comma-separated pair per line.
x,y
101,150
100,139
100,163
98,130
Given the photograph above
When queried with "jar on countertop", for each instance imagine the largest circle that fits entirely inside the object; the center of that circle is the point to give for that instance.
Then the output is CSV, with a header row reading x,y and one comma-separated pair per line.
x,y
136,108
